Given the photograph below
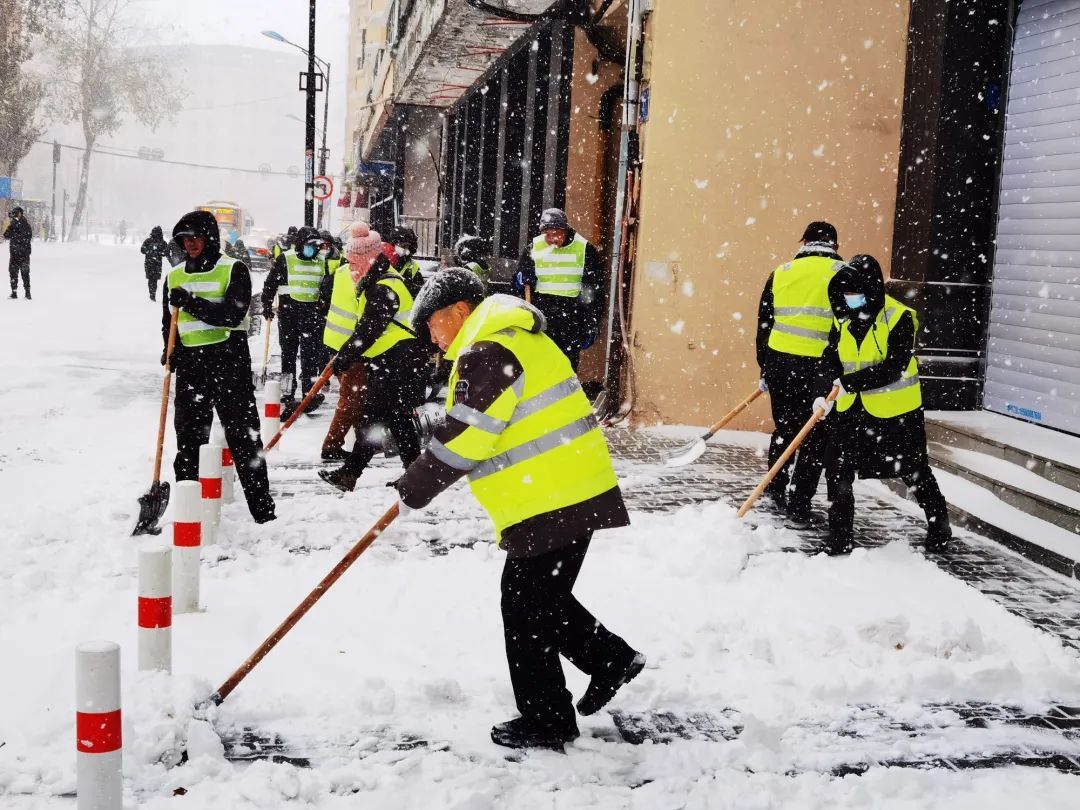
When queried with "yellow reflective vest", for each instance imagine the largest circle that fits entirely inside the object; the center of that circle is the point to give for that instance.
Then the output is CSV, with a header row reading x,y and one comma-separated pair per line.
x,y
399,329
344,310
896,398
303,279
538,447
559,270
802,315
209,286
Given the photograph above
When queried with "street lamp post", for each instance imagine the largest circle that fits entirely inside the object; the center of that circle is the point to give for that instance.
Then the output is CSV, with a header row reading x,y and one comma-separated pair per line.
x,y
309,190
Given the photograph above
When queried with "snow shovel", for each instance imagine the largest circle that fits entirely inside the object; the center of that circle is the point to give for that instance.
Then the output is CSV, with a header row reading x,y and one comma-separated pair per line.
x,y
316,594
819,414
260,380
324,378
152,505
695,449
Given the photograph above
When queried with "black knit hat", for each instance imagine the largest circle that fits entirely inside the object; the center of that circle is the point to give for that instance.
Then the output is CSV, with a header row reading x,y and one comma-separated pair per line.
x,y
553,219
445,288
820,232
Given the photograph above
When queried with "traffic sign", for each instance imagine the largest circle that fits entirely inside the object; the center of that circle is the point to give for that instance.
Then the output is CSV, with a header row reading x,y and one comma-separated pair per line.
x,y
324,187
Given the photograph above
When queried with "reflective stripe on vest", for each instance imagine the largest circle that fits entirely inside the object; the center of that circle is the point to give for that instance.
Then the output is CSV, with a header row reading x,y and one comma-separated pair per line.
x,y
302,284
802,316
559,270
537,448
209,286
398,329
344,310
895,398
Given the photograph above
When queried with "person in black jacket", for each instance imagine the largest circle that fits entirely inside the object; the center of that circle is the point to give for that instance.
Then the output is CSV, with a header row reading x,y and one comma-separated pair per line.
x,y
155,250
213,371
889,442
395,377
19,235
571,309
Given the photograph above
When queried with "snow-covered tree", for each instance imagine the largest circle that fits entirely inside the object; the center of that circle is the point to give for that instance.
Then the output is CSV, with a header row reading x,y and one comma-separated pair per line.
x,y
102,77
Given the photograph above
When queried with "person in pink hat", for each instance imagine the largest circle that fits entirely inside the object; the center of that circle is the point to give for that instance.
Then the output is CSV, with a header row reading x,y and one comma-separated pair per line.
x,y
340,301
385,344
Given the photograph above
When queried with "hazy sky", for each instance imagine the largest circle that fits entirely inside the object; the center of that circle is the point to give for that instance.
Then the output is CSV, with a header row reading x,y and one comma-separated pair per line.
x,y
238,22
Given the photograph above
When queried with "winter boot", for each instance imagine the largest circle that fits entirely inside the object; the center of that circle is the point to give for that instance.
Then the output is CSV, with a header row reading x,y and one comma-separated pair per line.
x,y
938,537
316,401
26,295
838,545
334,454
14,293
775,499
603,686
798,510
340,479
523,733
288,408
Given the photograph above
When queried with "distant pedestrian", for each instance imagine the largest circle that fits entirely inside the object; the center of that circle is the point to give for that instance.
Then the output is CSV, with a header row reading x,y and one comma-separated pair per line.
x,y
19,235
471,252
121,231
155,250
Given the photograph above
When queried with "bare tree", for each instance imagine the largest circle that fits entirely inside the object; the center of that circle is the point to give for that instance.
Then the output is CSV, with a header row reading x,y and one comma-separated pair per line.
x,y
102,78
21,92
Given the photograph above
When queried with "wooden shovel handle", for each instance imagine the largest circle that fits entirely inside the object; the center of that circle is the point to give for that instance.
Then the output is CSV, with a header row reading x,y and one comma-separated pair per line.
x,y
789,451
165,387
324,378
742,406
528,294
361,546
266,346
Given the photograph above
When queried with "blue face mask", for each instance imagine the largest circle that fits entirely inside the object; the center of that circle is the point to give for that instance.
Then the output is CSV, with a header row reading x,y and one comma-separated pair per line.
x,y
855,301
308,251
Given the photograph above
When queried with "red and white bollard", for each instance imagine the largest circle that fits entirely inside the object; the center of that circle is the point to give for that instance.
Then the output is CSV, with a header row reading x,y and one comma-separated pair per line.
x,y
187,538
210,481
228,471
155,607
271,409
99,784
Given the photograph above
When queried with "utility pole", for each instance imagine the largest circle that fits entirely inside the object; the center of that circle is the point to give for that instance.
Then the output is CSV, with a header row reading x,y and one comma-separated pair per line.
x,y
309,123
324,153
52,219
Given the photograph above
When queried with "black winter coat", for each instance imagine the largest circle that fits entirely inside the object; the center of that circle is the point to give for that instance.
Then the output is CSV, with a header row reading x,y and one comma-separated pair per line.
x,y
19,233
154,249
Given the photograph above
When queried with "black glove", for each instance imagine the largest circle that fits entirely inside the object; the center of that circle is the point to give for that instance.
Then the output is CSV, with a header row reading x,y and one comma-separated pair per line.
x,y
172,359
268,310
342,362
179,297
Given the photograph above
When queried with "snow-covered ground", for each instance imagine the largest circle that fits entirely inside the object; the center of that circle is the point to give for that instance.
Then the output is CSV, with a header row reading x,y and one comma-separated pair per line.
x,y
409,644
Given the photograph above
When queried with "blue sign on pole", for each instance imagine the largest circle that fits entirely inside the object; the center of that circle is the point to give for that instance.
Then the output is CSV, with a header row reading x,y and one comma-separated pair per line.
x,y
10,188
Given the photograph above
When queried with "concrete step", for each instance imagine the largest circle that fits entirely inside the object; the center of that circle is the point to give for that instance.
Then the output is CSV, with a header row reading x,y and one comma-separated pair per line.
x,y
1015,481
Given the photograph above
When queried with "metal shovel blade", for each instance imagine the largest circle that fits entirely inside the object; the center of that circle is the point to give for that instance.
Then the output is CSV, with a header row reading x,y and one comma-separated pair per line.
x,y
152,506
687,453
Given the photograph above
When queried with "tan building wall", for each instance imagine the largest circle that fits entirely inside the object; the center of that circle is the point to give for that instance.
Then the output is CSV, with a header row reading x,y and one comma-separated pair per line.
x,y
590,167
762,119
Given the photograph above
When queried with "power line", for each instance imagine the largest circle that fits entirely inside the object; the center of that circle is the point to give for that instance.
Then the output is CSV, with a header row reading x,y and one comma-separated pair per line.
x,y
120,154
234,104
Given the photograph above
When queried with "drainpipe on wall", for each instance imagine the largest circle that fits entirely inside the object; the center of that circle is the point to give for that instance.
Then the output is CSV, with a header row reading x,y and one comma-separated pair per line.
x,y
611,404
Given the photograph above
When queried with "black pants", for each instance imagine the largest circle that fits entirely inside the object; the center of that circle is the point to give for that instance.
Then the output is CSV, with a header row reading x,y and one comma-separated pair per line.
x,y
395,386
152,282
541,621
19,265
206,383
300,331
793,386
922,482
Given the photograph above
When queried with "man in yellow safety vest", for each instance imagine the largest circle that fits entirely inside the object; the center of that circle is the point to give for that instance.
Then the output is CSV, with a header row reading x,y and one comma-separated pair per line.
x,y
212,360
295,278
794,320
520,427
879,431
565,274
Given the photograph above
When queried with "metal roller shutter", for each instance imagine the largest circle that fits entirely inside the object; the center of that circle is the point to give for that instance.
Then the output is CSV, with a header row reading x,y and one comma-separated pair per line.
x,y
1033,354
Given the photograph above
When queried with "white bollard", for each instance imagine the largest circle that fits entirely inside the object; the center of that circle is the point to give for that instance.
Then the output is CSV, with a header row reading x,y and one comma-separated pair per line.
x,y
187,538
155,607
271,409
228,471
99,783
210,481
